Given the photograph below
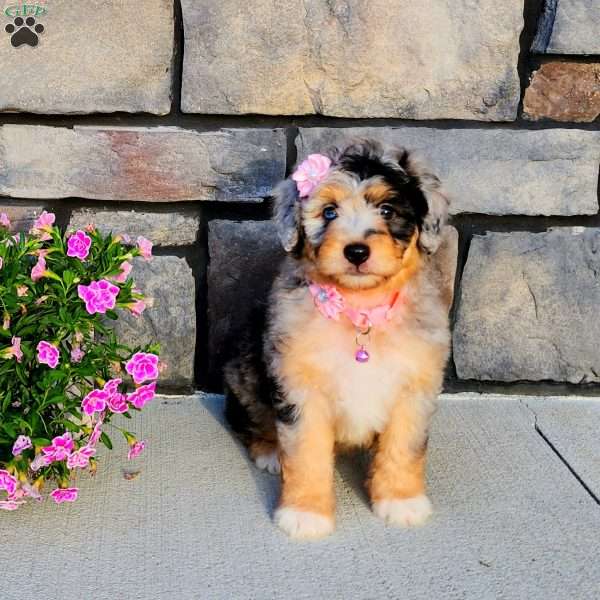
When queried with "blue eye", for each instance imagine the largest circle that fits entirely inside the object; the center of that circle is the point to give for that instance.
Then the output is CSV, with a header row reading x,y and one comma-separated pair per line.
x,y
387,211
330,213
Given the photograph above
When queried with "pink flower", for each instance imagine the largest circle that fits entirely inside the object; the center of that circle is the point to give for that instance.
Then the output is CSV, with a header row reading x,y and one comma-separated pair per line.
x,y
11,504
8,482
95,401
61,495
117,403
135,449
310,173
4,220
81,458
142,367
124,274
48,354
38,462
137,308
77,354
39,269
328,300
42,225
142,395
22,443
21,290
112,385
14,350
20,493
96,432
1,262
45,220
145,247
99,296
60,449
79,245
31,491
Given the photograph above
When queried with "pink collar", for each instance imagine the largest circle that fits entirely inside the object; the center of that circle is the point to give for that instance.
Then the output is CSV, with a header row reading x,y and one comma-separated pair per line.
x,y
331,304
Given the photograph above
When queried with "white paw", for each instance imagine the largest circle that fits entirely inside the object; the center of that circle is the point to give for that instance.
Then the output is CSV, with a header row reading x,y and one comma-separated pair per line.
x,y
268,462
405,513
300,524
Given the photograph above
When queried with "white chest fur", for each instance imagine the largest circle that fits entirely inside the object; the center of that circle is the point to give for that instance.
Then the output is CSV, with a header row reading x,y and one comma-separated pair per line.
x,y
362,394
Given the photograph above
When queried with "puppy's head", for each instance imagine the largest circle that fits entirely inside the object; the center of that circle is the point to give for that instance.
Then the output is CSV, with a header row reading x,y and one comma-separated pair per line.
x,y
373,211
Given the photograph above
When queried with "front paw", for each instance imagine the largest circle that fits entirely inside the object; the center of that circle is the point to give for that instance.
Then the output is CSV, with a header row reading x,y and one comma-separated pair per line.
x,y
302,524
408,512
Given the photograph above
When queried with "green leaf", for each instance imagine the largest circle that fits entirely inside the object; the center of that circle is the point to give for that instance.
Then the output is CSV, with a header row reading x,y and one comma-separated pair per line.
x,y
68,278
71,426
106,441
40,442
9,428
25,426
6,401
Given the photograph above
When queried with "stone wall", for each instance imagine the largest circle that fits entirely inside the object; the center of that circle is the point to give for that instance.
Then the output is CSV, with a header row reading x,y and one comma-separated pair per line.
x,y
174,120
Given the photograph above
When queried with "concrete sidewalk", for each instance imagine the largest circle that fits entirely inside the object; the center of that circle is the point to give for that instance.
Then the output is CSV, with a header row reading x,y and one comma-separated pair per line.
x,y
514,482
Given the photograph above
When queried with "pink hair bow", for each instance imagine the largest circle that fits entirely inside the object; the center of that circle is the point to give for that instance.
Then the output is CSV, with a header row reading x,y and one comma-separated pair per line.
x,y
310,173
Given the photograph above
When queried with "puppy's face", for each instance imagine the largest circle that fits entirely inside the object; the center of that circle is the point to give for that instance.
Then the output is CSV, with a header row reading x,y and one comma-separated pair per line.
x,y
375,208
357,231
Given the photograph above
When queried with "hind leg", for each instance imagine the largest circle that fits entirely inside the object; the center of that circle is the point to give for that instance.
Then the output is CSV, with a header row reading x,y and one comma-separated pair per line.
x,y
254,424
265,455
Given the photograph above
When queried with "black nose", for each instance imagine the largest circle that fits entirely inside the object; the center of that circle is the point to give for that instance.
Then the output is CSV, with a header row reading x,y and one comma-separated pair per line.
x,y
357,253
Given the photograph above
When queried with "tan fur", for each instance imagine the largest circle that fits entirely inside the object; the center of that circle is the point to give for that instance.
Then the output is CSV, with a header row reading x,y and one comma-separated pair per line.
x,y
398,468
377,193
307,460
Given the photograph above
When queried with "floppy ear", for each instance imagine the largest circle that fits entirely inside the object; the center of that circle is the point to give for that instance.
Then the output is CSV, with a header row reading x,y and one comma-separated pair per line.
x,y
436,217
437,204
286,213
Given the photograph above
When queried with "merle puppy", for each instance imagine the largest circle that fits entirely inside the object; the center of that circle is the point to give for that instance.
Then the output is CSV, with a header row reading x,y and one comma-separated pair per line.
x,y
353,343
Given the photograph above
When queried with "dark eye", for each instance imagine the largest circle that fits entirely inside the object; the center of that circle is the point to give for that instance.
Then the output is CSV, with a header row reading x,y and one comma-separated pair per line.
x,y
330,213
387,211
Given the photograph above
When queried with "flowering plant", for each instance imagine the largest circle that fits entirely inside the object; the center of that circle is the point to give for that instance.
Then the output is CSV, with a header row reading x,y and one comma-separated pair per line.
x,y
63,373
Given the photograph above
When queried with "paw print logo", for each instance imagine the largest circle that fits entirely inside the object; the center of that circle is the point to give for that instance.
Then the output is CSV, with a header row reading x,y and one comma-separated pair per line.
x,y
24,32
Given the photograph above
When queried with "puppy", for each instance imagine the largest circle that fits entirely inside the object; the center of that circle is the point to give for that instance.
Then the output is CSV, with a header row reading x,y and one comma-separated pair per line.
x,y
351,347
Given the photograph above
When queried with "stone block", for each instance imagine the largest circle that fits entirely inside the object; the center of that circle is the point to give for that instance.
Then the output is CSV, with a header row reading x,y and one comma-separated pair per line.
x,y
493,171
22,214
95,56
244,259
171,320
153,164
569,27
528,307
161,228
564,91
453,59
